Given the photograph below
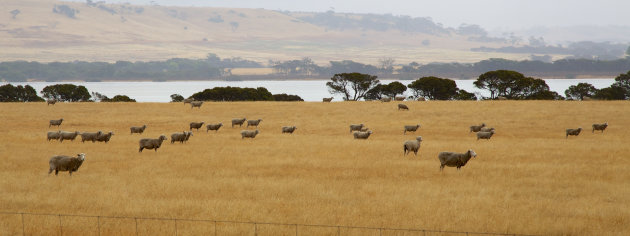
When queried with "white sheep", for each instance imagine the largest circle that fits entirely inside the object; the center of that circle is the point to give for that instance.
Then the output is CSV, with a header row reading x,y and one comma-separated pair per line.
x,y
485,135
249,133
412,145
362,135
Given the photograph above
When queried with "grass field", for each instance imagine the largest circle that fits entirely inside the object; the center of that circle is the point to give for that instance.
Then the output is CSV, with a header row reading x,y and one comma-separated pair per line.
x,y
527,179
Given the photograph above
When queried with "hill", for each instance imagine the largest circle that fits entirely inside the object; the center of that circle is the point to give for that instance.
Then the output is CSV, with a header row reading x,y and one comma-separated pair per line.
x,y
47,30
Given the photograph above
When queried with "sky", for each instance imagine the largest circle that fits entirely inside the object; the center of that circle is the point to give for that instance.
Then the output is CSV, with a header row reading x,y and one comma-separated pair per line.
x,y
490,14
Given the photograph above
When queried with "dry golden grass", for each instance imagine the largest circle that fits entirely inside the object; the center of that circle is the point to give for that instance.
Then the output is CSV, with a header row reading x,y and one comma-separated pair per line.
x,y
527,179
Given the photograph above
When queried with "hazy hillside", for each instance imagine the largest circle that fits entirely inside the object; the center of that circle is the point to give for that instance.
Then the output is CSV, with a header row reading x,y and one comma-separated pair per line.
x,y
46,30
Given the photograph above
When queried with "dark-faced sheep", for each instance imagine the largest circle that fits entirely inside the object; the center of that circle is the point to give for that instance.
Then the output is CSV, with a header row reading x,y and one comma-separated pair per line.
x,y
288,129
194,104
138,129
486,129
87,136
53,135
214,127
412,146
254,123
601,127
454,159
249,133
399,99
68,135
55,122
327,99
362,135
196,125
386,99
181,137
411,128
66,163
485,135
477,128
104,137
403,107
574,132
51,102
150,143
238,122
356,127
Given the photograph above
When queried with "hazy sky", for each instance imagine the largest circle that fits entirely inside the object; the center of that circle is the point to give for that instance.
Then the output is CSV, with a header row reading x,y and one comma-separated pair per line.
x,y
490,14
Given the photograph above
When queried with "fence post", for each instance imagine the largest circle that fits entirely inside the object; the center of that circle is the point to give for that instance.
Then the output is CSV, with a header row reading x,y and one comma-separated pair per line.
x,y
98,222
60,227
136,219
23,233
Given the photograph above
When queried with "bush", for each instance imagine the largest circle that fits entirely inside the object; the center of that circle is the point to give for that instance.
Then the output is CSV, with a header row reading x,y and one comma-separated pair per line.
x,y
66,92
120,98
233,94
287,98
177,98
10,93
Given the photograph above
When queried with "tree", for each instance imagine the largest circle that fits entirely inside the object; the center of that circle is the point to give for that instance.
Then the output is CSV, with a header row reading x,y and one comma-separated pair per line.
x,y
623,81
177,98
434,88
500,83
10,93
66,92
528,88
233,94
580,91
121,98
287,98
611,93
353,86
375,93
394,88
464,95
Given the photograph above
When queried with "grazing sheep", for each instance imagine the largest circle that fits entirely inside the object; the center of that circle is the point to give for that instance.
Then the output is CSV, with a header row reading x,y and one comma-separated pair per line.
x,y
150,143
249,133
412,145
214,127
238,122
288,129
411,128
501,98
51,102
63,135
53,135
355,127
386,99
364,129
453,159
253,122
327,99
586,98
138,129
403,106
477,128
601,127
486,129
485,135
196,125
188,100
104,137
55,122
66,163
574,132
181,137
362,135
194,104
399,99
421,99
85,136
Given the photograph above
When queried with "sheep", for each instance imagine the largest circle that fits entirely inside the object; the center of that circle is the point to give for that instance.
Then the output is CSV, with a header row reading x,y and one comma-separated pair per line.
x,y
66,163
249,133
238,122
386,99
587,98
196,125
253,123
188,100
403,107
399,99
150,143
477,128
55,122
288,129
486,129
327,99
63,135
601,127
51,102
181,137
85,136
484,135
104,137
53,135
574,132
138,129
214,127
421,99
453,159
501,98
364,129
194,104
362,135
355,127
411,128
412,145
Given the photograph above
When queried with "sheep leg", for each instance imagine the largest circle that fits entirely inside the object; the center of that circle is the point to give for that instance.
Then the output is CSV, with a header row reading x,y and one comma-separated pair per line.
x,y
140,149
50,171
415,152
56,171
441,167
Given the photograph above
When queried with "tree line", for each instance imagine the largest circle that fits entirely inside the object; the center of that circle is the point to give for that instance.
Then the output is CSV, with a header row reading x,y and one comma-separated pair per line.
x,y
58,92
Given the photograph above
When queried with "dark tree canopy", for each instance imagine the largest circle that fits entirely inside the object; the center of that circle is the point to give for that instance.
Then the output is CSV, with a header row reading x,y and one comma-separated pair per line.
x,y
623,81
434,88
394,88
177,98
353,86
287,98
233,94
465,95
10,93
499,83
119,98
66,92
611,93
579,91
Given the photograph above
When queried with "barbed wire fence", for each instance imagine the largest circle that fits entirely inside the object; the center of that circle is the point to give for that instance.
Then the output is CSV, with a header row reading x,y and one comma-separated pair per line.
x,y
254,225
